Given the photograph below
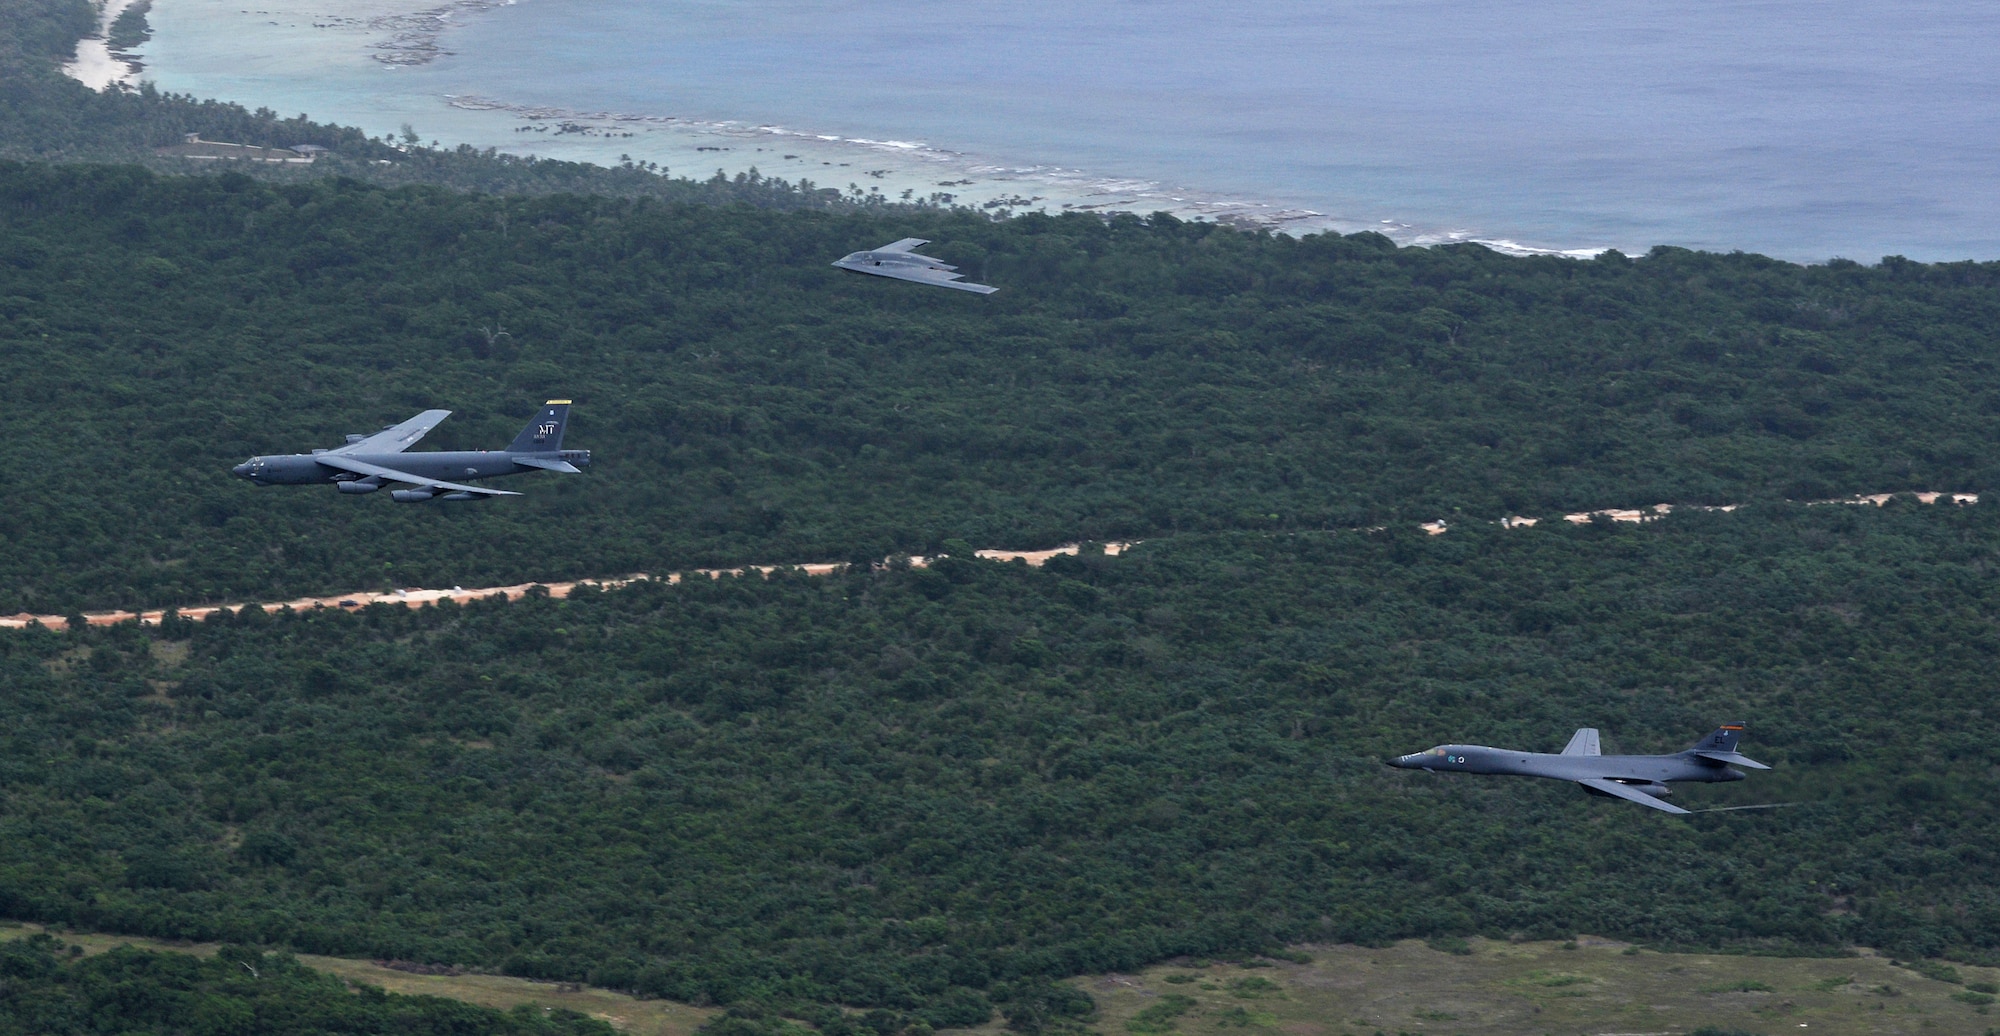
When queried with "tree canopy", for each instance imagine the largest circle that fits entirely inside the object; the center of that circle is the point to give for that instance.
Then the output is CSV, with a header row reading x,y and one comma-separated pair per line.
x,y
916,789
897,799
750,404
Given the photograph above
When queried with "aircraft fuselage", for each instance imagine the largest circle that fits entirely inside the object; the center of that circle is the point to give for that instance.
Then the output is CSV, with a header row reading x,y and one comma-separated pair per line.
x,y
1658,769
301,469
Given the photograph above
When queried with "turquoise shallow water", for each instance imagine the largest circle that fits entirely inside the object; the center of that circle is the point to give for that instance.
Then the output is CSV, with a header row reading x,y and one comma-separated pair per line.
x,y
1802,130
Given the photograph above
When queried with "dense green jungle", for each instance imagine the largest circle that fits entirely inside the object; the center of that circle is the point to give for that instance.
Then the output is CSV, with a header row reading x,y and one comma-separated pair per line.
x,y
924,794
748,403
128,992
917,789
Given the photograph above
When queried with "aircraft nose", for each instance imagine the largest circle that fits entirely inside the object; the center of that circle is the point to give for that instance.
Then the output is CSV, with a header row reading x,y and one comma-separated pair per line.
x,y
241,470
1401,762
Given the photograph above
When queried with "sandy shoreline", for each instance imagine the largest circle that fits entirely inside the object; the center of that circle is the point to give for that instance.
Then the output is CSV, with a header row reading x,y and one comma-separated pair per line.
x,y
380,65
95,66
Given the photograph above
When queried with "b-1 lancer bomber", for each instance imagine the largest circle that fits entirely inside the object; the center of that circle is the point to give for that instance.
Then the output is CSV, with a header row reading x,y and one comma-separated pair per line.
x,y
368,462
1635,778
900,260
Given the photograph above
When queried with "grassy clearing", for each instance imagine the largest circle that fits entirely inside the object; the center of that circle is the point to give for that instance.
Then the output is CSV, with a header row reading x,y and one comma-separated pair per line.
x,y
628,1014
1472,988
1598,986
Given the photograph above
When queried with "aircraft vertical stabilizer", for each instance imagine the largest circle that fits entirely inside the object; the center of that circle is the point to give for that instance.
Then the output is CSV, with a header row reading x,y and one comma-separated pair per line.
x,y
1583,742
1724,739
1721,747
545,433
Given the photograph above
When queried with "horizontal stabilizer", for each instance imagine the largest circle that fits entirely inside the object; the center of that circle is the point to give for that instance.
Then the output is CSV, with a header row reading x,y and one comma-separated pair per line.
x,y
1733,759
1619,791
548,464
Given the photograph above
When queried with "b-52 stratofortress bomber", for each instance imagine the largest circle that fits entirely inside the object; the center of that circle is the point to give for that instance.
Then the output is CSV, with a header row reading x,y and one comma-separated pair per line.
x,y
1635,778
368,462
900,260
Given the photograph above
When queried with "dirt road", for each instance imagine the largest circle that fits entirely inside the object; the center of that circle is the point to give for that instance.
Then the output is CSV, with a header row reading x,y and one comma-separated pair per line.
x,y
415,597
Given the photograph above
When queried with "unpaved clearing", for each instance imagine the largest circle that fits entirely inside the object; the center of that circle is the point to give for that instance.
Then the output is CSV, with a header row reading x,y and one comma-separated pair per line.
x,y
1515,989
626,1013
1490,988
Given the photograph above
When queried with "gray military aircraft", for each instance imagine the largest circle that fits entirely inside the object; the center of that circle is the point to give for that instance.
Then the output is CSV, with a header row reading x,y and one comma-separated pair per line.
x,y
901,261
367,462
1634,778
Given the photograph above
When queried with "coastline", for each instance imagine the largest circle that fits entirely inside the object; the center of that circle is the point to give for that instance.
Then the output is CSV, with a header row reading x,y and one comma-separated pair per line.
x,y
388,66
96,65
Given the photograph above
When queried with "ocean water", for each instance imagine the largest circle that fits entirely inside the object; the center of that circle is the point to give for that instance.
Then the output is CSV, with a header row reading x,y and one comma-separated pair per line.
x,y
1803,130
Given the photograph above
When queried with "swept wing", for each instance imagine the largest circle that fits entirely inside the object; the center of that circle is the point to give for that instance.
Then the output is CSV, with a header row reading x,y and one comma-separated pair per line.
x,y
943,278
397,437
899,259
1617,790
335,460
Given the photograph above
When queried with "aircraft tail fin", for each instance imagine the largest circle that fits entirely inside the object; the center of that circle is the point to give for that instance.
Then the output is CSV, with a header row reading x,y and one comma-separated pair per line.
x,y
1583,742
1722,740
1720,747
545,433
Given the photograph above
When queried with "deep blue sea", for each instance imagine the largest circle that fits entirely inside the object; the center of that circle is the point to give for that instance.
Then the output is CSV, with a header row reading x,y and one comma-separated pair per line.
x,y
1804,130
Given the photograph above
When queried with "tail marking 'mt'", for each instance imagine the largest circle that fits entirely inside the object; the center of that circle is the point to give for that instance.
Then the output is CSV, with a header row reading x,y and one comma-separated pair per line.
x,y
545,433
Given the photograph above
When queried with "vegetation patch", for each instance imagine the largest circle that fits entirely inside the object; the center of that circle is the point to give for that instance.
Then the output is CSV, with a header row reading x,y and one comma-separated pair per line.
x,y
1557,979
1450,944
1159,1017
1937,971
1252,987
1244,1018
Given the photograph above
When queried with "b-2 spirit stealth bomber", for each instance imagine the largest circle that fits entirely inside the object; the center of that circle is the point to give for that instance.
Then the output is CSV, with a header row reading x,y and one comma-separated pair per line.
x,y
368,462
901,261
1635,778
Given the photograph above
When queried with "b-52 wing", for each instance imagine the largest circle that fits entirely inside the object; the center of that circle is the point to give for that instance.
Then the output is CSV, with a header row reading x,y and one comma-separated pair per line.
x,y
335,460
1620,791
397,437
